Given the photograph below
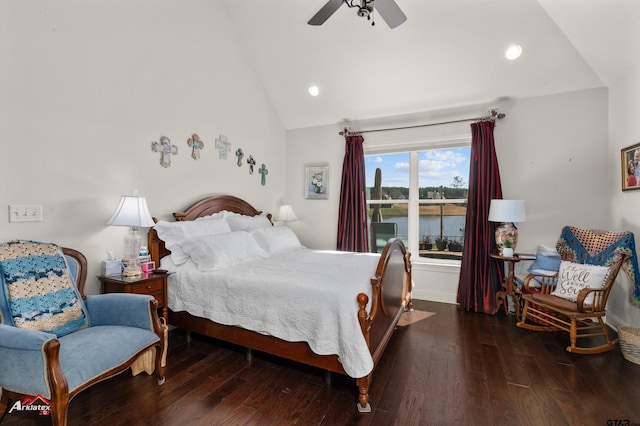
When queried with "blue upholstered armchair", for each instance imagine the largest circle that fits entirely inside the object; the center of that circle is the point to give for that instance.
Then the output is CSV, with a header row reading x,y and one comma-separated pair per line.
x,y
54,342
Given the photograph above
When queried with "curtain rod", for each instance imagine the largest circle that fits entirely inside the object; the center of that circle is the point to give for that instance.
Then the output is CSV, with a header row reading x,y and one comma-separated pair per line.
x,y
493,117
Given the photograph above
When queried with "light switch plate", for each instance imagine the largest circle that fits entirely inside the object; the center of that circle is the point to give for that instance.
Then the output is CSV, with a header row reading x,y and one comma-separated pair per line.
x,y
25,213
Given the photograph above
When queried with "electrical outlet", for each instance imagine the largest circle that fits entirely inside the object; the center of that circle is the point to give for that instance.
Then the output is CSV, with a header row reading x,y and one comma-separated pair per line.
x,y
25,213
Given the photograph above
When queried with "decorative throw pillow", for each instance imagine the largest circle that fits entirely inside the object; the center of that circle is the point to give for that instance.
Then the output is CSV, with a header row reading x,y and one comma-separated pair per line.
x,y
175,233
276,239
39,290
248,223
213,252
547,262
573,277
547,259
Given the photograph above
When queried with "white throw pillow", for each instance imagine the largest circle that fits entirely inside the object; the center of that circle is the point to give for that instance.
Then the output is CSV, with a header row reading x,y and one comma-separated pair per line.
x,y
247,223
175,233
573,277
219,215
212,252
276,239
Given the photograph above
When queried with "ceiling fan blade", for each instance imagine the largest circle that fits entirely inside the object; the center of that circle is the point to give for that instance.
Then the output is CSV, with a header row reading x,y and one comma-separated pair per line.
x,y
325,12
390,12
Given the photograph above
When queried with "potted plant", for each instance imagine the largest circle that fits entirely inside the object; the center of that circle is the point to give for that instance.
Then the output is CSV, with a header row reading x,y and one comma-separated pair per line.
x,y
426,243
507,250
441,243
455,246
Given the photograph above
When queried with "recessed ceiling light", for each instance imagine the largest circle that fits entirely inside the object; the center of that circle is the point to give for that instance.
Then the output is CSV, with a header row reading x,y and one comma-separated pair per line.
x,y
314,91
513,52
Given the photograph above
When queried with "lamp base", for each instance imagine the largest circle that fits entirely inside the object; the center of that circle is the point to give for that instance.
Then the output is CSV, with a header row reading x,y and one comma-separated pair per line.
x,y
132,272
506,231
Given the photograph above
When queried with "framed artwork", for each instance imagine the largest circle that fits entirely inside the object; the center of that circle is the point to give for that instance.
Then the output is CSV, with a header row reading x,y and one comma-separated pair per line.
x,y
630,167
316,183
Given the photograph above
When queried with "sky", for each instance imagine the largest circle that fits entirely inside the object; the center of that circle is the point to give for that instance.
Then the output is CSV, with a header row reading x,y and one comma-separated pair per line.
x,y
437,167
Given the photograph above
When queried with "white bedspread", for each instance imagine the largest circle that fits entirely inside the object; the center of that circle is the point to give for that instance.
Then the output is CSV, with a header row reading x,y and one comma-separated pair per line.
x,y
300,295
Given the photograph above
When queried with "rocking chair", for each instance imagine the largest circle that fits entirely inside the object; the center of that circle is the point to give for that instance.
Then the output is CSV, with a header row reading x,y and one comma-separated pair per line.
x,y
553,313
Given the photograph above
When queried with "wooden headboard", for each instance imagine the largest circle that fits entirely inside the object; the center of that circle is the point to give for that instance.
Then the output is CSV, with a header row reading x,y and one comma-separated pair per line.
x,y
204,207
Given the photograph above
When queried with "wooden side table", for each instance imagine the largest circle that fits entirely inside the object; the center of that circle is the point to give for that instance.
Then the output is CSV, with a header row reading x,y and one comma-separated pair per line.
x,y
153,284
509,287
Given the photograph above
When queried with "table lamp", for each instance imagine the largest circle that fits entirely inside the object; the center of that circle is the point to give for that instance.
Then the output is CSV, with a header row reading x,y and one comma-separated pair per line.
x,y
286,214
507,212
133,212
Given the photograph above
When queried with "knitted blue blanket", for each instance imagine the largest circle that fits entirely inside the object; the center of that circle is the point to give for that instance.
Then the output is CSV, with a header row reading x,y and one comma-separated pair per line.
x,y
602,248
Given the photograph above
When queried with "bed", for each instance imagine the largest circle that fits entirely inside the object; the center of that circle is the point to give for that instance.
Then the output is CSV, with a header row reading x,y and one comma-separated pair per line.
x,y
243,311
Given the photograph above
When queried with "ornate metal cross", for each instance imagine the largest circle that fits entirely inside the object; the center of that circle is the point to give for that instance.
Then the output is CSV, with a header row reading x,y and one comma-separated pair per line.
x,y
223,144
239,154
251,162
263,172
196,145
165,149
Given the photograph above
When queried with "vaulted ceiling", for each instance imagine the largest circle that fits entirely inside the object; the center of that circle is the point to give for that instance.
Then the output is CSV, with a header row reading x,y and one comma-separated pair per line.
x,y
449,53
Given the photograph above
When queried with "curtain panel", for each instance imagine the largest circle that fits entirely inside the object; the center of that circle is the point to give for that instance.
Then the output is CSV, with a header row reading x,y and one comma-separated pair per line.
x,y
352,213
480,275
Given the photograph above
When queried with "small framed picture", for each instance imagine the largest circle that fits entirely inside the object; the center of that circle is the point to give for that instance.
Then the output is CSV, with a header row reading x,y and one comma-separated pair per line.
x,y
630,164
316,183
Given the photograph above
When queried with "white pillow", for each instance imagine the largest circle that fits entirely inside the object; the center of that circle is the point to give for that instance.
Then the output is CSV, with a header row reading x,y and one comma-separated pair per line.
x,y
175,233
247,223
573,277
276,239
219,215
212,252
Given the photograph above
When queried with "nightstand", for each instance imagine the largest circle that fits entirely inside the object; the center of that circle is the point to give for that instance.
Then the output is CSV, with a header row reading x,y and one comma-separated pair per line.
x,y
153,284
509,287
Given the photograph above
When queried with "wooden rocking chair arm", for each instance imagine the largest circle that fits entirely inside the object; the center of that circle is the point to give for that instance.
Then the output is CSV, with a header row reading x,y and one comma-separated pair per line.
x,y
598,299
546,282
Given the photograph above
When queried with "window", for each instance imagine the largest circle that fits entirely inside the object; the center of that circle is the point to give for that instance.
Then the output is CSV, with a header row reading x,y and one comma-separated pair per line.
x,y
424,193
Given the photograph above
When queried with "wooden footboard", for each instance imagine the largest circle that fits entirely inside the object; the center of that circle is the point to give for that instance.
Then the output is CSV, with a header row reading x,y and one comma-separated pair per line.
x,y
378,317
391,296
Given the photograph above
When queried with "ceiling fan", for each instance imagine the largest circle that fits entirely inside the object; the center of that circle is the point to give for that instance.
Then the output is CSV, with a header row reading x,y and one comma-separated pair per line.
x,y
388,9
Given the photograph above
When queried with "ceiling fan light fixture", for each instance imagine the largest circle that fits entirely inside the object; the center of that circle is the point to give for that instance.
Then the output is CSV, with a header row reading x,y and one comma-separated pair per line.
x,y
387,9
513,52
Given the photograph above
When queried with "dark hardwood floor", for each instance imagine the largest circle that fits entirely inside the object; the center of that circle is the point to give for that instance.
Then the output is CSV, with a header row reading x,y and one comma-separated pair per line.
x,y
454,368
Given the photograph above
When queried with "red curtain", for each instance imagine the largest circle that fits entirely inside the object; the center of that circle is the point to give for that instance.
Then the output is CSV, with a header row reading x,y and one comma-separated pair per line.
x,y
352,216
480,275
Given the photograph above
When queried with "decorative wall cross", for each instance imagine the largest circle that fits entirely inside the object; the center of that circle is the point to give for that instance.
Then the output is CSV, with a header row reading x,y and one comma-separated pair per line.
x,y
263,172
196,145
240,155
165,149
223,144
251,162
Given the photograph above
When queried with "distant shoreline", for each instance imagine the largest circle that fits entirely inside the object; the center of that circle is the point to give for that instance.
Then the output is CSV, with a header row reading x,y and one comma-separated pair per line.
x,y
400,210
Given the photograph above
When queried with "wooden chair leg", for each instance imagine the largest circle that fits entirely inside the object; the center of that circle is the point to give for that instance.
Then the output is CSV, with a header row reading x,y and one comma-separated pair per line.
x,y
573,335
59,410
604,333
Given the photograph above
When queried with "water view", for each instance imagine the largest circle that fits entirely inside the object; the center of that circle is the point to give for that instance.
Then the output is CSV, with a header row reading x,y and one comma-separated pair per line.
x,y
452,227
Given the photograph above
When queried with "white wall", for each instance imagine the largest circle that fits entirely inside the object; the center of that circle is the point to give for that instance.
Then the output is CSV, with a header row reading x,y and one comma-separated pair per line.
x,y
550,151
624,131
86,87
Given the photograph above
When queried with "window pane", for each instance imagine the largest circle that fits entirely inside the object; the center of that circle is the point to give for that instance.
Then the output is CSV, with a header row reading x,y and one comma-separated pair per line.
x,y
425,191
393,172
441,230
444,173
393,223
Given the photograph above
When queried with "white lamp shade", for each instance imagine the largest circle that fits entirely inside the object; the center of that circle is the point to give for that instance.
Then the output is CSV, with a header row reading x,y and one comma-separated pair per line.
x,y
286,214
507,211
132,211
